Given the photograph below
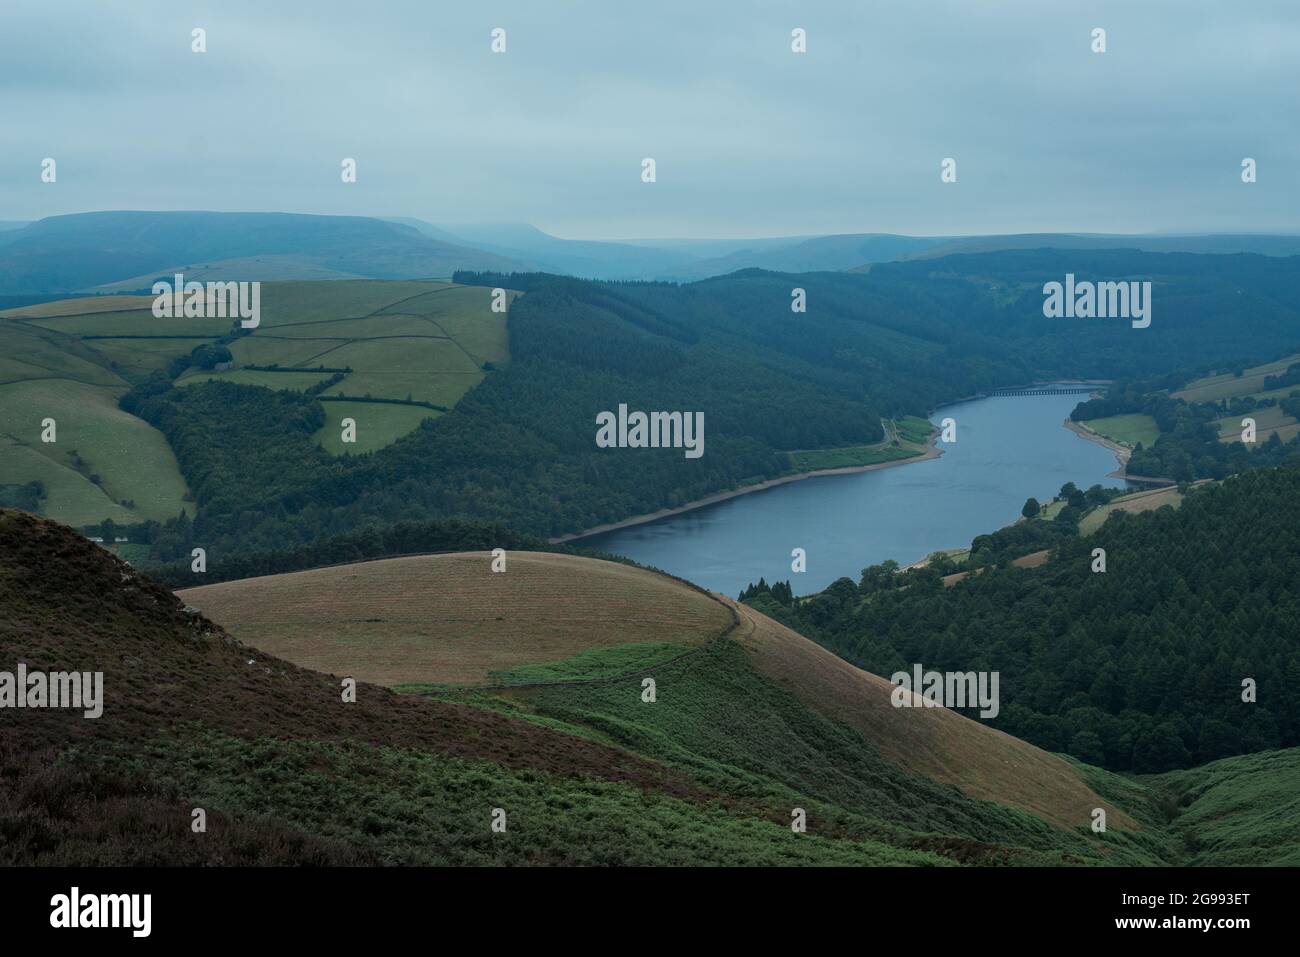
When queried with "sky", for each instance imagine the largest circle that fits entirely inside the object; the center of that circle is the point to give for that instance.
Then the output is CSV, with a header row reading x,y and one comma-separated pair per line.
x,y
749,138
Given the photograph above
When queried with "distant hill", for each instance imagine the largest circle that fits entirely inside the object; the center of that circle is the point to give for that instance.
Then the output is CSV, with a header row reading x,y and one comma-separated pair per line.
x,y
127,250
583,258
817,254
1208,244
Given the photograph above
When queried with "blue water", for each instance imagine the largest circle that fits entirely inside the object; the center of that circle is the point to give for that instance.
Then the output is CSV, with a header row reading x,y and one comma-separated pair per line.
x,y
1008,448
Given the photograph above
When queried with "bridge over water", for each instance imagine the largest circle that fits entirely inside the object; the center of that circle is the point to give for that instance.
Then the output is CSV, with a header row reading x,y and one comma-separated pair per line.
x,y
1050,390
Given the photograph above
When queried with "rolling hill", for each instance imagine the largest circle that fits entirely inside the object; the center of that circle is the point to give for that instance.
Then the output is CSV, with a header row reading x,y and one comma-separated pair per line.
x,y
438,619
748,725
387,355
128,250
443,620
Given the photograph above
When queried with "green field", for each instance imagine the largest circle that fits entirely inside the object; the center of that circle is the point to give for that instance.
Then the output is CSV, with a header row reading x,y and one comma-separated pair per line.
x,y
1226,385
275,381
813,460
1268,421
1126,429
912,433
1142,501
913,428
378,424
421,340
131,459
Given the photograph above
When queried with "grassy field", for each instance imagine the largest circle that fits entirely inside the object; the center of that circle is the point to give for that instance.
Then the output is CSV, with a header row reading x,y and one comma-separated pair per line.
x,y
426,340
378,424
812,460
131,459
911,432
914,429
448,619
1127,429
293,381
1269,420
1226,385
1143,501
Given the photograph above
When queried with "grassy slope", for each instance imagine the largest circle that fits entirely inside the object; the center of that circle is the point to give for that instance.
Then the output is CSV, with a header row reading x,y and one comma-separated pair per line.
x,y
46,374
448,618
71,359
1242,810
441,620
911,431
1250,383
1142,501
1226,385
587,773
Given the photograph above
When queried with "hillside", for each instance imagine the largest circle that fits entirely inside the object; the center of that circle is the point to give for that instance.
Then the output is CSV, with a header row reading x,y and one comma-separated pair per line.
x,y
1138,669
387,355
745,726
774,387
448,620
435,619
128,250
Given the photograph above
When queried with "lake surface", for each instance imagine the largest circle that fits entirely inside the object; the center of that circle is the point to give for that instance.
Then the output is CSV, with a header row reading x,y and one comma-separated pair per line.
x,y
1008,448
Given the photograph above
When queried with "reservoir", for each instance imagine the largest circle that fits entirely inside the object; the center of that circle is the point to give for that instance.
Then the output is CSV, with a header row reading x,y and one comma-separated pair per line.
x,y
1008,448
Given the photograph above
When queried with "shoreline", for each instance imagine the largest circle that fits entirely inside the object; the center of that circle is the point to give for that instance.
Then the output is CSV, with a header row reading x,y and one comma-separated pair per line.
x,y
931,452
1122,454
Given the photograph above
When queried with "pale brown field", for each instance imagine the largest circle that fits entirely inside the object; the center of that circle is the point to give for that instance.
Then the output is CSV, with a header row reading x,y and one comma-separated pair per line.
x,y
935,742
1032,560
79,307
450,619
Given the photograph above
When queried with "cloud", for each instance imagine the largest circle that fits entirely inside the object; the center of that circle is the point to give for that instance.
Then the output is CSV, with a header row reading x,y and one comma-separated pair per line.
x,y
750,139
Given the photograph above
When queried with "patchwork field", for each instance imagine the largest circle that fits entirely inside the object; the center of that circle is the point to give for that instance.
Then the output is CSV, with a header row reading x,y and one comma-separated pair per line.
x,y
449,619
1227,385
1270,420
408,342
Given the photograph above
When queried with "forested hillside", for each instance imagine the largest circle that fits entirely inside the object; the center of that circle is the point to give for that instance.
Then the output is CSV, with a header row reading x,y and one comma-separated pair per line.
x,y
520,448
1139,668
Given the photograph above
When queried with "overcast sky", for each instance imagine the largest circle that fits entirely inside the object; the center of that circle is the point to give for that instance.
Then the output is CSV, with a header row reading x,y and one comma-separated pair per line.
x,y
749,138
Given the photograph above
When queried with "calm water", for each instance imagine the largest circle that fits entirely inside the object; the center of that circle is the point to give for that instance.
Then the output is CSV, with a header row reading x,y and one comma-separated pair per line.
x,y
1008,448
